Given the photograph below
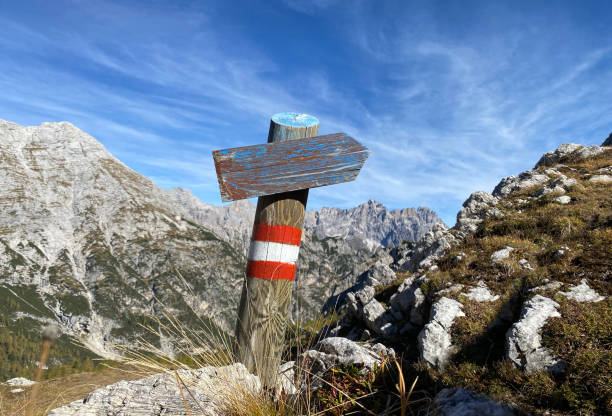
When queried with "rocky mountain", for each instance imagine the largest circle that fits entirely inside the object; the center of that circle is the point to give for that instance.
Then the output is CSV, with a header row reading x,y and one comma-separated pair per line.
x,y
515,300
513,304
368,226
87,242
372,224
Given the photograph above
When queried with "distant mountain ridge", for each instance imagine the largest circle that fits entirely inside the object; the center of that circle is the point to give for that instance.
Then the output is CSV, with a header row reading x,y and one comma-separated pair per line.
x,y
368,226
372,223
87,242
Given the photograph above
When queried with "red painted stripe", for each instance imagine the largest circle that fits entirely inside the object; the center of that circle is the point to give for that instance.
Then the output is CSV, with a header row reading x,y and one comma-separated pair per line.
x,y
284,234
270,270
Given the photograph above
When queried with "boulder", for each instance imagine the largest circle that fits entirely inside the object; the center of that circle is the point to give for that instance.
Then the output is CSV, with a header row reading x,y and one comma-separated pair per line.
x,y
477,207
434,341
524,340
601,179
409,299
526,179
334,351
567,149
553,158
19,382
159,394
502,254
563,199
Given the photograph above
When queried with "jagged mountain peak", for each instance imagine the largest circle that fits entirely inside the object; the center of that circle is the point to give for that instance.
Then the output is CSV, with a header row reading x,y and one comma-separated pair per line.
x,y
62,137
372,222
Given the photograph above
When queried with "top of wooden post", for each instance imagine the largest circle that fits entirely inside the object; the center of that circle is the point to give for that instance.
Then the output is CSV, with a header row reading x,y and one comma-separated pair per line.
x,y
289,126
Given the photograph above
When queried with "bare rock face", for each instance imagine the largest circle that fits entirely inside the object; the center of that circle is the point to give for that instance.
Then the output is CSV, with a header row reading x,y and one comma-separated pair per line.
x,y
371,224
232,222
462,402
526,179
159,394
99,246
335,351
478,206
608,141
565,150
434,341
524,340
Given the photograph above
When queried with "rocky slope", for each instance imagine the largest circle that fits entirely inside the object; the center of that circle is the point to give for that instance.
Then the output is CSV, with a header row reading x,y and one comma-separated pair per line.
x,y
514,300
92,244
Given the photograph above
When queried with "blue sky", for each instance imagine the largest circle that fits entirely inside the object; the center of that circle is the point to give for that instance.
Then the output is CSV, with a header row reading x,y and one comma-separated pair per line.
x,y
449,96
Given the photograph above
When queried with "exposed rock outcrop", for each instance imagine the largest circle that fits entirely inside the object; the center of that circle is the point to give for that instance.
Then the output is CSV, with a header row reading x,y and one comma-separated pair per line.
x,y
204,391
524,339
434,341
371,224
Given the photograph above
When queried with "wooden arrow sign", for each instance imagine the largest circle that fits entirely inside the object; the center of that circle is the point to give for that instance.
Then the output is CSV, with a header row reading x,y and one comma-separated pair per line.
x,y
265,169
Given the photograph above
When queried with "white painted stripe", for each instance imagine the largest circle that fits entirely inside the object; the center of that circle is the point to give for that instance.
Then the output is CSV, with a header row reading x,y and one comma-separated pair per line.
x,y
269,251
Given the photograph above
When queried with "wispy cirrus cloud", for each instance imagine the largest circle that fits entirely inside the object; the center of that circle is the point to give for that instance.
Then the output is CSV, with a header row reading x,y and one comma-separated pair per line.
x,y
446,103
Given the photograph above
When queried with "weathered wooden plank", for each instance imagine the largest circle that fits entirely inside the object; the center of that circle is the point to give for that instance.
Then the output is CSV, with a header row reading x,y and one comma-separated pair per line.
x,y
258,170
247,157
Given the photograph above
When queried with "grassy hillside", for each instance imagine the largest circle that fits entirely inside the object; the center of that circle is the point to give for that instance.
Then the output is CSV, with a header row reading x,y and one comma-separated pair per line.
x,y
563,243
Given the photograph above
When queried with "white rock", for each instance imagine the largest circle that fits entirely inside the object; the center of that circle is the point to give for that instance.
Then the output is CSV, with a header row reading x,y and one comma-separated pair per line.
x,y
481,293
502,254
452,288
365,295
286,375
334,351
372,314
589,151
525,264
19,381
159,394
478,206
581,152
16,390
582,293
550,190
434,341
526,179
563,199
600,179
524,340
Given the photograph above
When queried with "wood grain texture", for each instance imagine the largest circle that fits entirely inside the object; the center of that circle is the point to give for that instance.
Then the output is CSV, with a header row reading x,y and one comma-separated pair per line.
x,y
249,171
264,303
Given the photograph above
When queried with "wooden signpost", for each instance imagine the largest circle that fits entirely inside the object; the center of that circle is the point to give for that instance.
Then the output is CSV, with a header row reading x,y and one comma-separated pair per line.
x,y
280,174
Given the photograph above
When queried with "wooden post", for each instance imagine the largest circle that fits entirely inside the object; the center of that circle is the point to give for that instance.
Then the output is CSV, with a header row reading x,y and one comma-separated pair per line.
x,y
271,267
